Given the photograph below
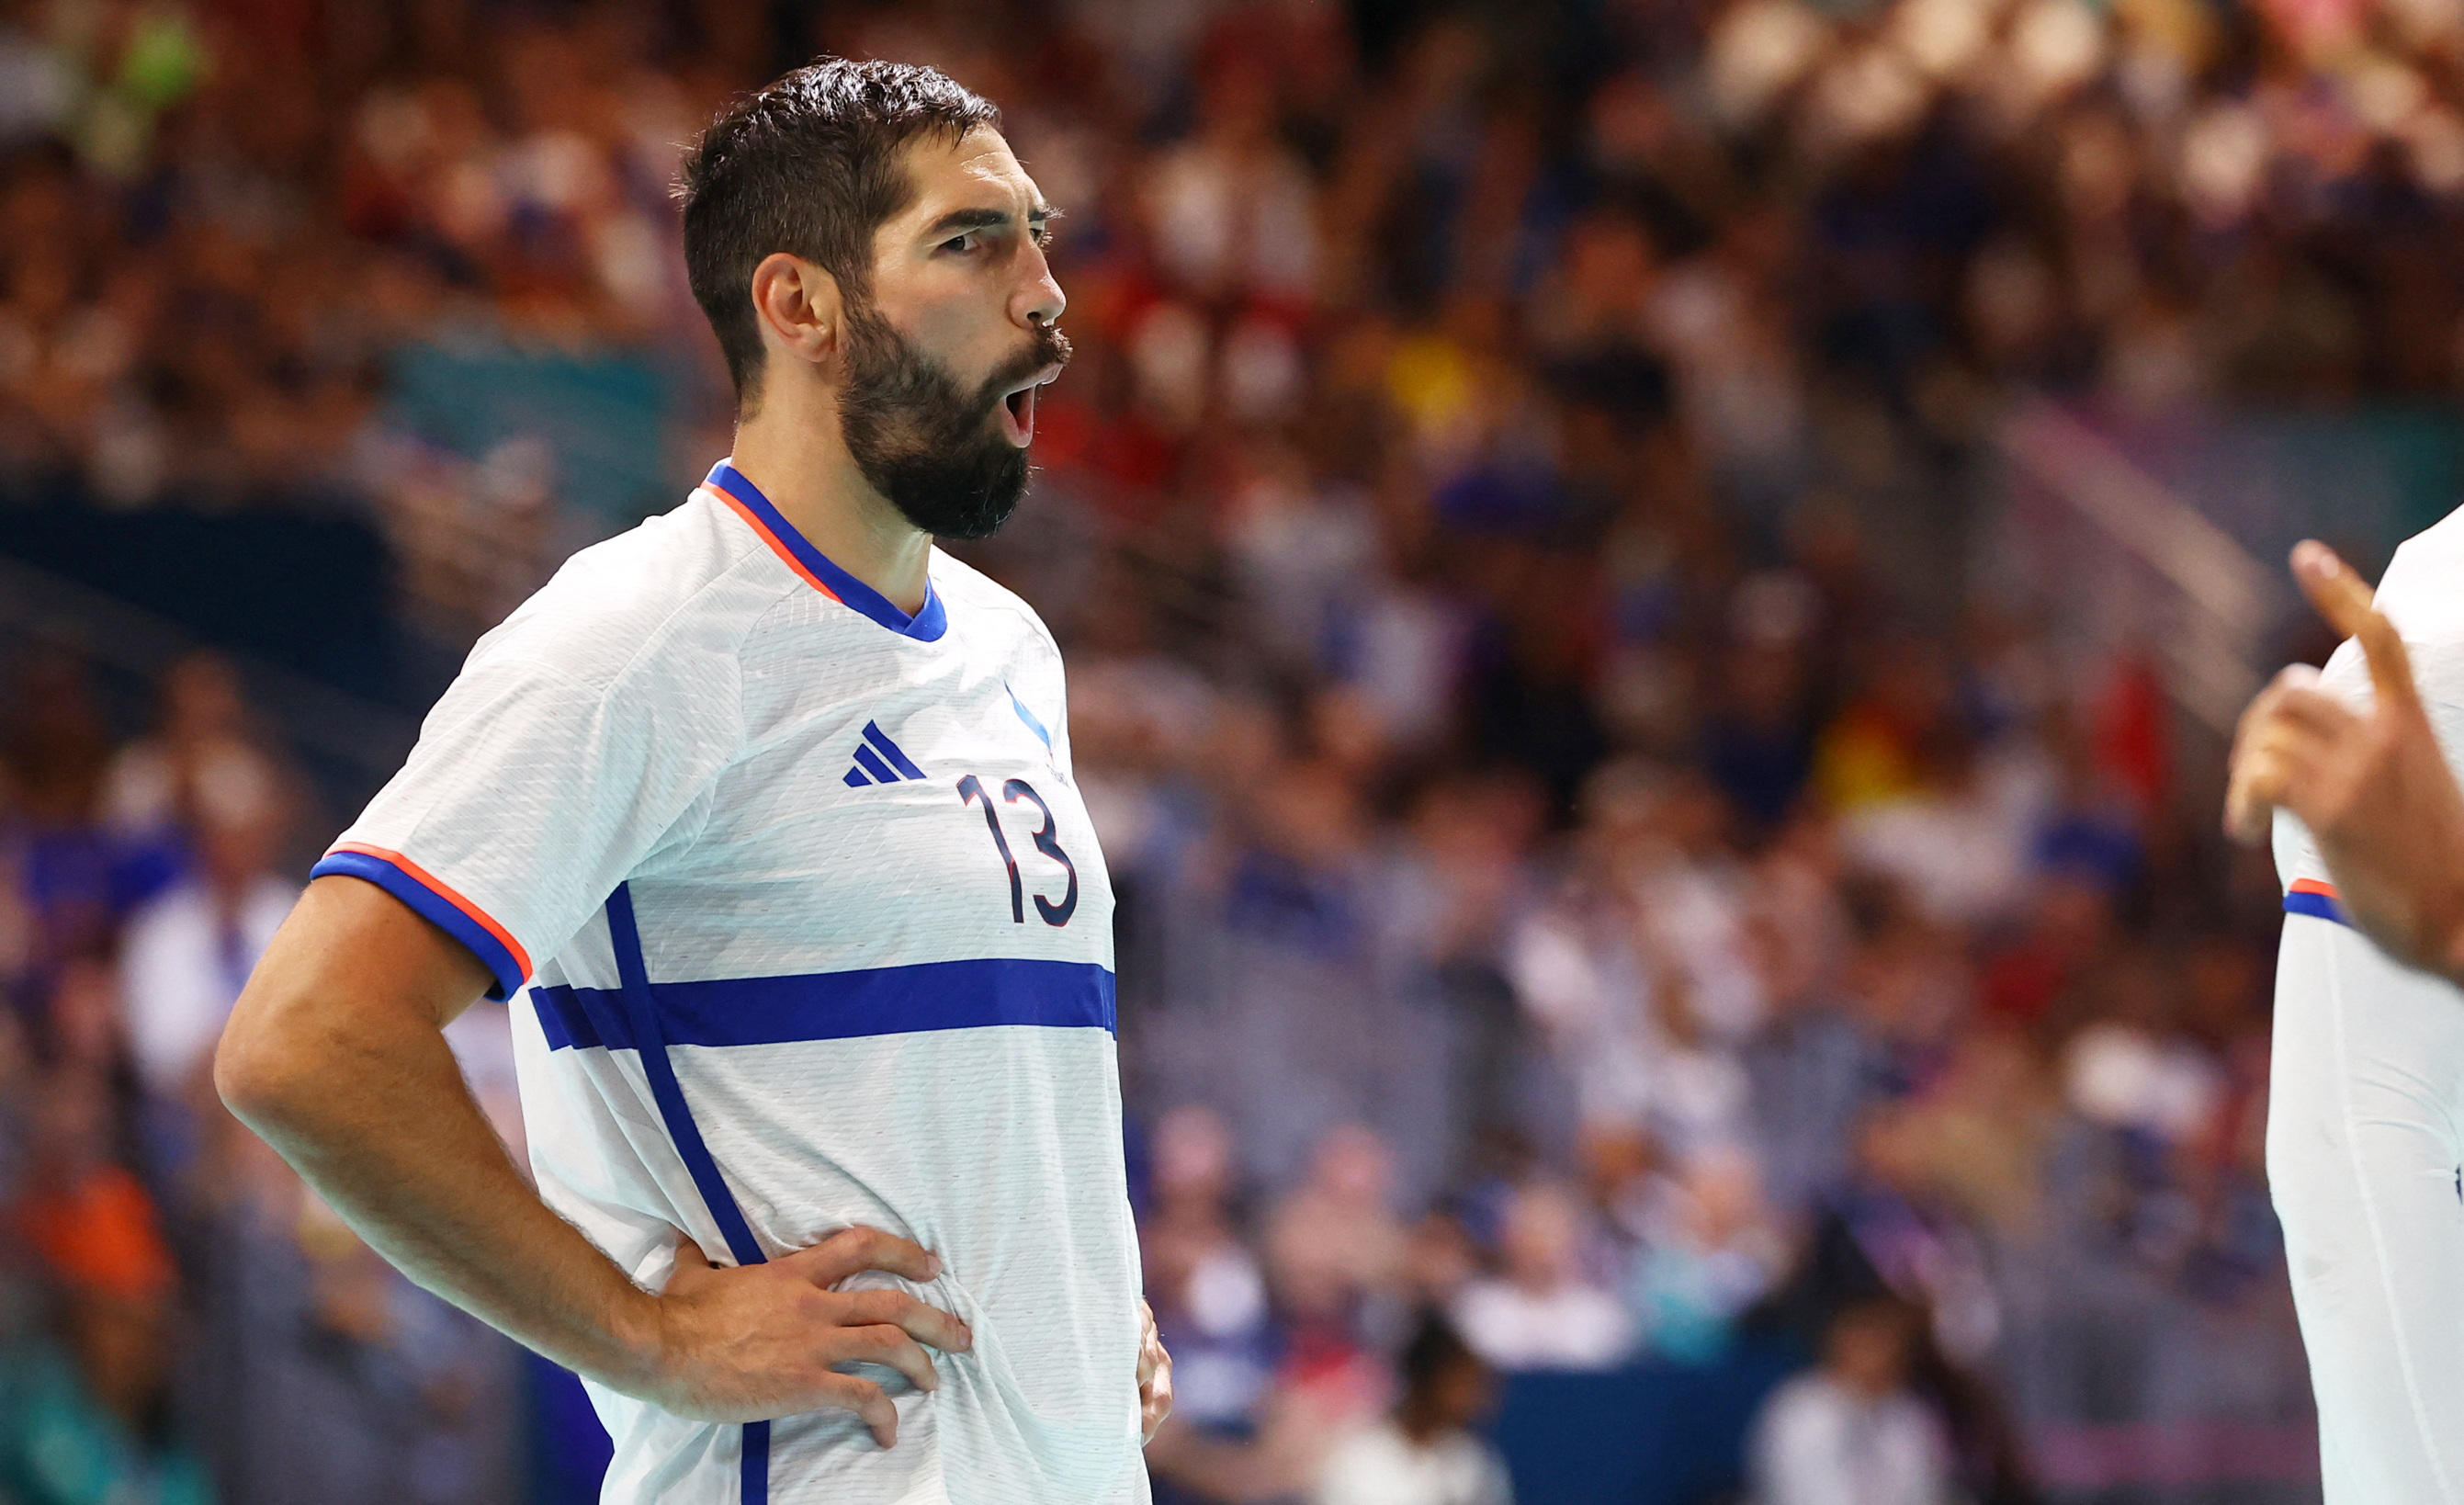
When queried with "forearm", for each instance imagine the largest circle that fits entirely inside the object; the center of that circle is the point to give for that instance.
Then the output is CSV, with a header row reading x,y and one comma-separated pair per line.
x,y
386,1131
357,1087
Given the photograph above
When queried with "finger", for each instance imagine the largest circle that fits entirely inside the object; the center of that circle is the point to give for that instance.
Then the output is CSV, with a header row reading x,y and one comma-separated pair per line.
x,y
2345,600
2262,705
844,1392
2311,713
926,1324
845,1252
2259,785
1154,1401
884,1343
2299,729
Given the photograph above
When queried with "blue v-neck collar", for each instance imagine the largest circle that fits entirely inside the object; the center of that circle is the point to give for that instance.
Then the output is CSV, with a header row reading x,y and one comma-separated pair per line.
x,y
925,626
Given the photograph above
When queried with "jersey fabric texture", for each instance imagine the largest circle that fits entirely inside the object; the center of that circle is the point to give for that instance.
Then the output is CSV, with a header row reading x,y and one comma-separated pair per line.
x,y
2366,1119
816,934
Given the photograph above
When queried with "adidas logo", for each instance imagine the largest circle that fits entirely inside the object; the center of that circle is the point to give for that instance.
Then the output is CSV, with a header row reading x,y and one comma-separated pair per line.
x,y
880,757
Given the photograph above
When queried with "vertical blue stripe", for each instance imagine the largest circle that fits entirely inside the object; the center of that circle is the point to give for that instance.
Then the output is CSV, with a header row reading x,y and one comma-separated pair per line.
x,y
873,765
873,733
754,1487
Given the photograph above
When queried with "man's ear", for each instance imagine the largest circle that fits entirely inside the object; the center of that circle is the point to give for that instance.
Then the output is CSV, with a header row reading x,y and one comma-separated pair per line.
x,y
798,308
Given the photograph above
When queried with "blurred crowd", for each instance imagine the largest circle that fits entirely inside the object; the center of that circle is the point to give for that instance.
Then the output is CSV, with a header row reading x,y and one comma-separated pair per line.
x,y
1601,887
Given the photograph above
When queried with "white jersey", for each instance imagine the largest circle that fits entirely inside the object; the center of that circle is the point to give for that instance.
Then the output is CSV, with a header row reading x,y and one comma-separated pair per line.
x,y
2366,1119
817,935
2422,594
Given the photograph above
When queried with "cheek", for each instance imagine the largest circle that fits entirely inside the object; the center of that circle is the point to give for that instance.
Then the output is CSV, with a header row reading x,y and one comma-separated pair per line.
x,y
960,333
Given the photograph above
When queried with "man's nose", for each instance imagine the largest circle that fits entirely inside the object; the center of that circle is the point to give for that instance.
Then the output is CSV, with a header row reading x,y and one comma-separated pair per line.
x,y
1039,298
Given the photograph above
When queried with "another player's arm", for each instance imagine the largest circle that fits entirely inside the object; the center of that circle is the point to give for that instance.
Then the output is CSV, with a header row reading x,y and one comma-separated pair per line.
x,y
2373,786
336,1054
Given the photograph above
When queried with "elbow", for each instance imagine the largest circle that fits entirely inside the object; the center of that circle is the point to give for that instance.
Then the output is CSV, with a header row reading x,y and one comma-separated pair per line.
x,y
256,1078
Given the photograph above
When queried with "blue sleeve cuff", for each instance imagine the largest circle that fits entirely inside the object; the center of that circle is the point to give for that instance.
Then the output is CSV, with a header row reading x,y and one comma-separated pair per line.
x,y
440,906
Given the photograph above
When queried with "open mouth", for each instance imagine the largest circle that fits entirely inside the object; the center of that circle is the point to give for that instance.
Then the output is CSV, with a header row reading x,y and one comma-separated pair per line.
x,y
1018,406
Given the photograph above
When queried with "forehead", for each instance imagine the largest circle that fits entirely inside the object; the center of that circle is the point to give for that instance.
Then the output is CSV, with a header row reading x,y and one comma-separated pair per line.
x,y
975,171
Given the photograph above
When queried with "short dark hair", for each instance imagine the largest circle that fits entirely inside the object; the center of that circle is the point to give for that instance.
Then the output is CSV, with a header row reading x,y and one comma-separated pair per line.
x,y
1434,1348
808,165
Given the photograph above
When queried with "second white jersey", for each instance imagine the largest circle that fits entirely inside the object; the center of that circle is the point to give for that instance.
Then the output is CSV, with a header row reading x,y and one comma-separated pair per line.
x,y
2422,594
2366,1119
823,939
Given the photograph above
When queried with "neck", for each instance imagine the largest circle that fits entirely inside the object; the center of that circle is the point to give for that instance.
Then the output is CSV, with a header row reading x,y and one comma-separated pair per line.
x,y
794,454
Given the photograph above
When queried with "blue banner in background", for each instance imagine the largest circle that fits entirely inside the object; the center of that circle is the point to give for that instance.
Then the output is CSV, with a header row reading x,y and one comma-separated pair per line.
x,y
604,415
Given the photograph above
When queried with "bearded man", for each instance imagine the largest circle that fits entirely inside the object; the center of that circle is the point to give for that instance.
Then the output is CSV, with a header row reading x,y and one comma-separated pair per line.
x,y
768,803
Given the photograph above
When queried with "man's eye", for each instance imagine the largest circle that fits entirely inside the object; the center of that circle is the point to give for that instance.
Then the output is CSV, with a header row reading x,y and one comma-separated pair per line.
x,y
959,243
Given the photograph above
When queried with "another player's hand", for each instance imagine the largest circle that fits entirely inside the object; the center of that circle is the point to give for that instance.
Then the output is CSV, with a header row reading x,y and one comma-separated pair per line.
x,y
1155,1373
2371,786
764,1340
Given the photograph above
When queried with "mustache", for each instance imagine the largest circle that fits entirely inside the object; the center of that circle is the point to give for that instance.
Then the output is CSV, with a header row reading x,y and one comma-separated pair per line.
x,y
1048,346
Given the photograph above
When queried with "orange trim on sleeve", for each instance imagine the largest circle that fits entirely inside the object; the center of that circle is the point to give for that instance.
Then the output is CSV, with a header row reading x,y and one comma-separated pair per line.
x,y
448,893
2313,886
777,545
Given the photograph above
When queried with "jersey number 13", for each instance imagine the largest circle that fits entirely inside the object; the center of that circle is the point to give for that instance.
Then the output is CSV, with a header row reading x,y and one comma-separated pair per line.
x,y
971,790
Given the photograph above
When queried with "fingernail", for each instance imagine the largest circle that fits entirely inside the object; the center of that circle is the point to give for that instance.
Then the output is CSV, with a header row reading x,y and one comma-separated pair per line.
x,y
932,1266
2310,556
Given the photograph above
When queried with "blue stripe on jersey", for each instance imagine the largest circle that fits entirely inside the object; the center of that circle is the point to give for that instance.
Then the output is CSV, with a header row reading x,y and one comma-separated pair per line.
x,y
2317,905
435,908
838,1006
641,1011
1028,716
926,626
899,759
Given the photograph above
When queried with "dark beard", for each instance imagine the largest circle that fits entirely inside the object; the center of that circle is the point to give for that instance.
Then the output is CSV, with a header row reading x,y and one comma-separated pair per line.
x,y
931,448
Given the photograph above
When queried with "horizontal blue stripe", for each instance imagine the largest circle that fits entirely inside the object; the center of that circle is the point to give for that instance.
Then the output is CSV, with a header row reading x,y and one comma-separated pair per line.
x,y
838,1006
435,908
2318,905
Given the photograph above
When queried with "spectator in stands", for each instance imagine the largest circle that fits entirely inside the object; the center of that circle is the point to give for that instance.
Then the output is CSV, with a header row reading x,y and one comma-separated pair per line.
x,y
1425,1450
86,1415
190,949
151,786
1335,1242
1209,1294
1705,1249
1544,1309
1851,1431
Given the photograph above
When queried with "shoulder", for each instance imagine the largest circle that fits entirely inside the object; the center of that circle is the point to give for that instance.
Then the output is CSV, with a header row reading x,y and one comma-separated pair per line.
x,y
2418,593
672,600
966,589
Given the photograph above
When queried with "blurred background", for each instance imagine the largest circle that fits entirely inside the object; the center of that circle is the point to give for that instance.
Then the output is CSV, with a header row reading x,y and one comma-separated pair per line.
x,y
1653,589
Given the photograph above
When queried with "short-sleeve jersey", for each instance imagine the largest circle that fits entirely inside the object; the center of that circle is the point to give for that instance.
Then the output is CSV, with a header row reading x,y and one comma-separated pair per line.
x,y
2422,594
816,934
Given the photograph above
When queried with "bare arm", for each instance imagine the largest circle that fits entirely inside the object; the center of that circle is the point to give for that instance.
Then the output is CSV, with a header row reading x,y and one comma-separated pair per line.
x,y
2373,787
335,1053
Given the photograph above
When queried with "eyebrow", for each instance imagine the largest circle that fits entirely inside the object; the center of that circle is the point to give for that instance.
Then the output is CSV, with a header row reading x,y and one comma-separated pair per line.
x,y
959,222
